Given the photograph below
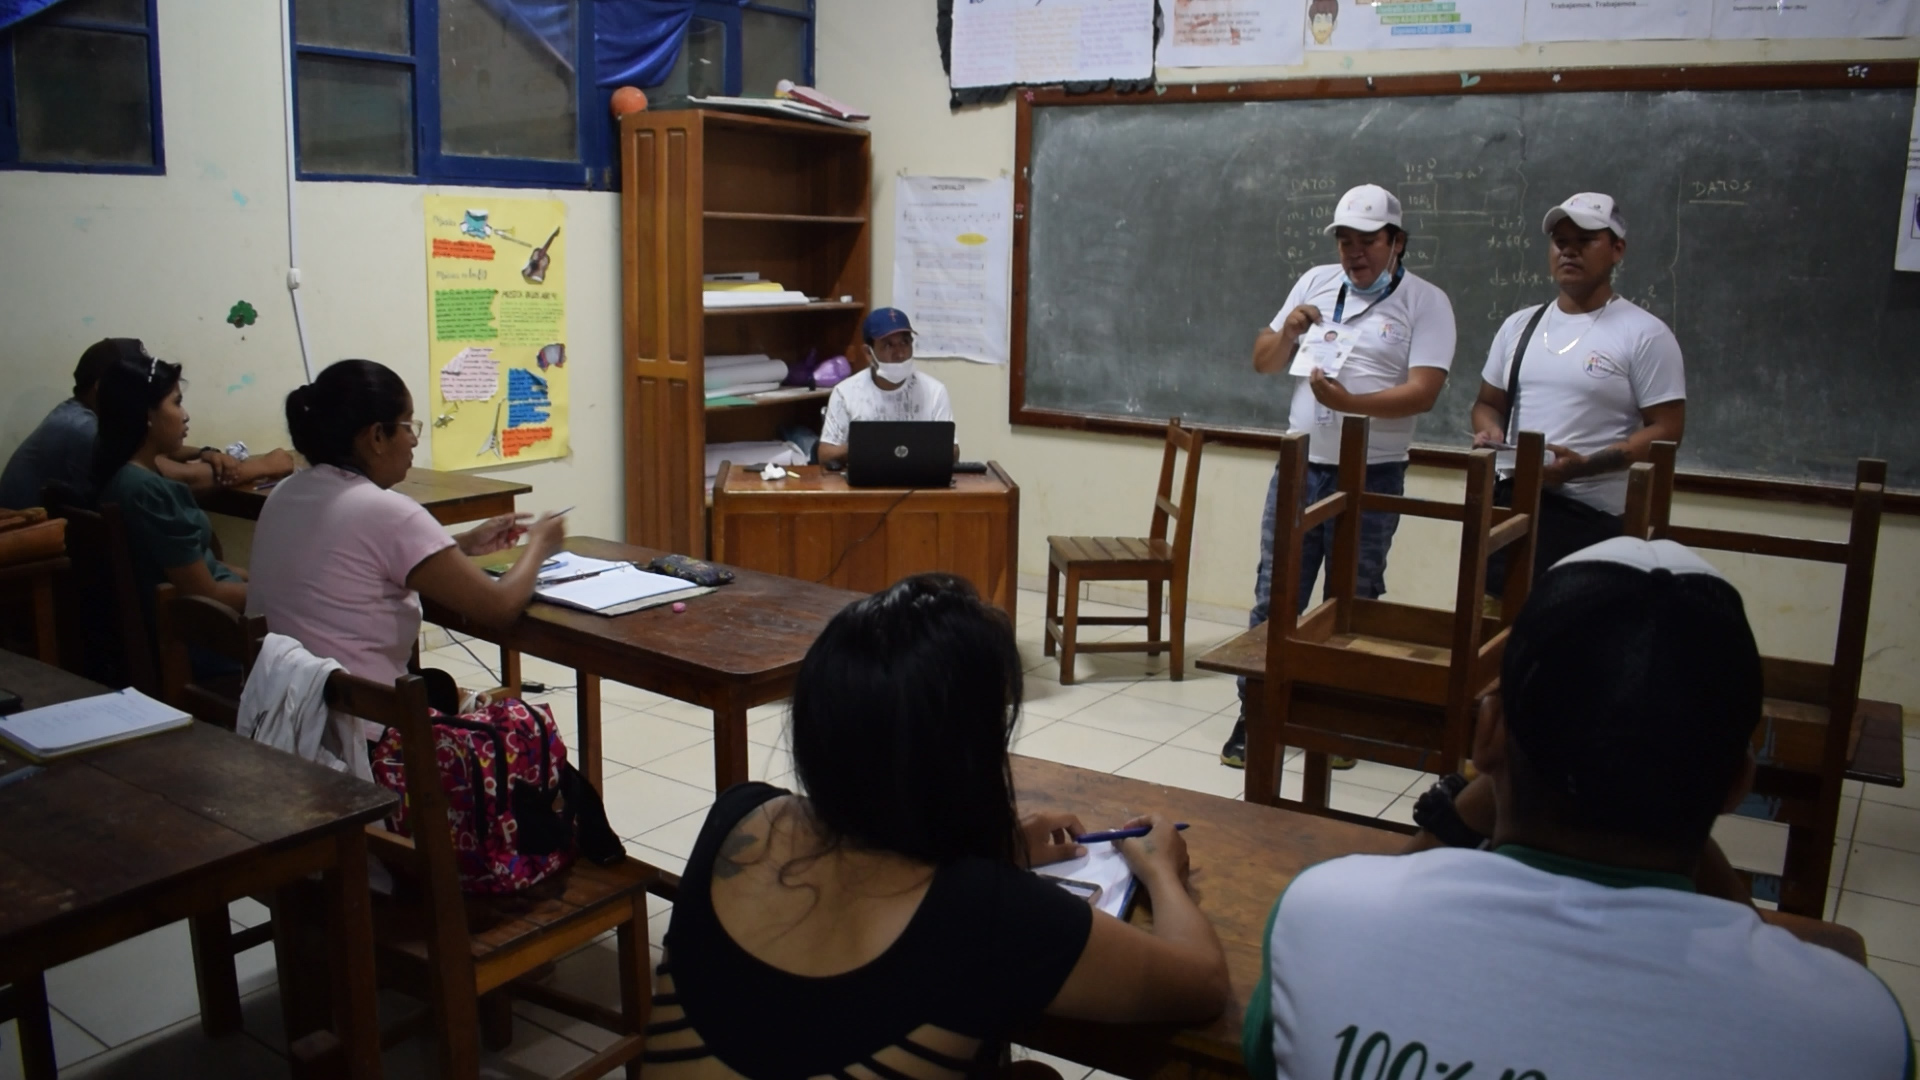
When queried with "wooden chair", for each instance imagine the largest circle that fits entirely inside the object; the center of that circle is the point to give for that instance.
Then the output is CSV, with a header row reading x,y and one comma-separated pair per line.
x,y
425,940
1373,679
1152,559
182,621
106,628
1803,756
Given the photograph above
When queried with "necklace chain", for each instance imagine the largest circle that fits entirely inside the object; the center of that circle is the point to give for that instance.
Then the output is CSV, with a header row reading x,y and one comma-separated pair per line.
x,y
1568,347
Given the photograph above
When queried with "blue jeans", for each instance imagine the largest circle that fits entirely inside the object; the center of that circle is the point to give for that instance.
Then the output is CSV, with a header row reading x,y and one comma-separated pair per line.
x,y
1376,535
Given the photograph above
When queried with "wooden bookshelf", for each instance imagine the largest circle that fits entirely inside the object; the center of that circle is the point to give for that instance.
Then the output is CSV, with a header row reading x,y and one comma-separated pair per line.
x,y
711,192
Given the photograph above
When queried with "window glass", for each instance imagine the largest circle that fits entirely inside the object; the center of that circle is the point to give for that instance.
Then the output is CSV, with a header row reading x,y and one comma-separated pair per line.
x,y
367,25
772,47
356,117
507,85
82,96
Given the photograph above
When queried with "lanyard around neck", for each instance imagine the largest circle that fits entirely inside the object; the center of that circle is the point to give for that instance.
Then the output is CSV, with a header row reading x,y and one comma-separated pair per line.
x,y
1340,303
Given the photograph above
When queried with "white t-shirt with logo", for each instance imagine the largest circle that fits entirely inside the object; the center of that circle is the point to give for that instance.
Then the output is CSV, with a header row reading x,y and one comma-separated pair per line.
x,y
921,397
1419,965
1621,360
1412,327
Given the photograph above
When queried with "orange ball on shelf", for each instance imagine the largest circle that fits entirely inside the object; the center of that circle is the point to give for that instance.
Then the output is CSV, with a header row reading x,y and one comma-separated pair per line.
x,y
628,99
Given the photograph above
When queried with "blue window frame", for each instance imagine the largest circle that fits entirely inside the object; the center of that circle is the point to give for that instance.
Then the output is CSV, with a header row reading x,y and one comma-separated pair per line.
x,y
382,98
80,89
742,48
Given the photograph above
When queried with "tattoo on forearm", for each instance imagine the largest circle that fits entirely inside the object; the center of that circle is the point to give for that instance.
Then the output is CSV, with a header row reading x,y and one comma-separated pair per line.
x,y
1612,459
736,843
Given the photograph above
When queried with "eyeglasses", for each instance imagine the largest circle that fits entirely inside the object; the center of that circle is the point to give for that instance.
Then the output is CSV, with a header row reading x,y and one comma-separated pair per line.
x,y
416,426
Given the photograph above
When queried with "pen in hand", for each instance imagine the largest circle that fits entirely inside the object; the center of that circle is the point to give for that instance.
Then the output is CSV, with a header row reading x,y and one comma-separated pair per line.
x,y
1121,834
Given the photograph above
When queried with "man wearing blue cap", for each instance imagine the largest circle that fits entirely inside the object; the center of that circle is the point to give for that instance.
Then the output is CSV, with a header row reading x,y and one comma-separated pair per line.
x,y
887,389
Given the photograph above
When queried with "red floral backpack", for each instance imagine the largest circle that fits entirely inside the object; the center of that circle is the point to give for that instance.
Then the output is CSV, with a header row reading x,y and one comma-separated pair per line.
x,y
504,768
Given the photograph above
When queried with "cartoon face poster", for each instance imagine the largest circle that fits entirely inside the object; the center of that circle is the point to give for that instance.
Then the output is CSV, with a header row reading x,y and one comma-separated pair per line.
x,y
1355,25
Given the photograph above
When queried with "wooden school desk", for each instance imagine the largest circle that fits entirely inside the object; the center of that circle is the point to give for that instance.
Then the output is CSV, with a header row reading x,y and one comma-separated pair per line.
x,y
450,497
734,648
1243,856
812,526
114,842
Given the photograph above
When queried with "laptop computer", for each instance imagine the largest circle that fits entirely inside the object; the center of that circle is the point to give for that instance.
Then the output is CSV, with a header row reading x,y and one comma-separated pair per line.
x,y
900,453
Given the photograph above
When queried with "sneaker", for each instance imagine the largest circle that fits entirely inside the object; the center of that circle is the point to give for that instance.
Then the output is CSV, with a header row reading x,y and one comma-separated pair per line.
x,y
1341,763
1234,754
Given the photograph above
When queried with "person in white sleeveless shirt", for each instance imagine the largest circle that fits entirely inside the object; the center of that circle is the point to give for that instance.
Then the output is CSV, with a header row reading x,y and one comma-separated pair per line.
x,y
1576,948
1601,377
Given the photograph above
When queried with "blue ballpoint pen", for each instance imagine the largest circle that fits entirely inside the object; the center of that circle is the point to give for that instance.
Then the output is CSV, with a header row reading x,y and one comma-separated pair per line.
x,y
1121,834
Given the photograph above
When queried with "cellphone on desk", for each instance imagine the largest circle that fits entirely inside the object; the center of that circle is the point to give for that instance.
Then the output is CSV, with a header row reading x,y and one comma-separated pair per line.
x,y
496,571
1085,890
10,703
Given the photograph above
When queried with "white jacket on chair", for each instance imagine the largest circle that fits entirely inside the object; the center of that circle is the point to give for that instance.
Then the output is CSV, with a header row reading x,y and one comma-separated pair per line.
x,y
284,706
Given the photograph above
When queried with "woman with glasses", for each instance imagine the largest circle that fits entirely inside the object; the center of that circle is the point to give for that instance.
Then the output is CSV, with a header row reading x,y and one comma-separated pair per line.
x,y
143,418
340,560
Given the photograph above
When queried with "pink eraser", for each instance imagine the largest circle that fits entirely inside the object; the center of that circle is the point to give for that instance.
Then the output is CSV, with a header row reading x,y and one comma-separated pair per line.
x,y
679,607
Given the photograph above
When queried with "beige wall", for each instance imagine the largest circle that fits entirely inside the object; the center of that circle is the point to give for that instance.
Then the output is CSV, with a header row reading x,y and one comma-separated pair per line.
x,y
163,258
884,57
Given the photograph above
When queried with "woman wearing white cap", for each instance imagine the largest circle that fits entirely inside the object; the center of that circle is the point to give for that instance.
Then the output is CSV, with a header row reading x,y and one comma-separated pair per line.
x,y
1394,338
1596,373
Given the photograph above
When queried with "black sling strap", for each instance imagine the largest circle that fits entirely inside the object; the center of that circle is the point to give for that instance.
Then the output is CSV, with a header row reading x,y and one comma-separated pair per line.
x,y
1513,372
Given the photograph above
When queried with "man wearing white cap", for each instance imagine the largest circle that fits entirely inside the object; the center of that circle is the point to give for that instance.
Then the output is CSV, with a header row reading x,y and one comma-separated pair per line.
x,y
1392,342
1600,376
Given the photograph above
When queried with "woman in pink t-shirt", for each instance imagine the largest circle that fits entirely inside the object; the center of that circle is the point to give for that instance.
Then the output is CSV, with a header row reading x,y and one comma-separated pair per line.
x,y
340,560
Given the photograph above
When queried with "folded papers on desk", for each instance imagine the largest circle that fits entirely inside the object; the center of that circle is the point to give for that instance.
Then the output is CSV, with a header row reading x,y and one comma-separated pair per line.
x,y
72,726
616,590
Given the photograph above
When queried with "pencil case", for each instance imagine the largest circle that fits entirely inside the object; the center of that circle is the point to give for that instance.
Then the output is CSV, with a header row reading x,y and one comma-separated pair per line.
x,y
691,569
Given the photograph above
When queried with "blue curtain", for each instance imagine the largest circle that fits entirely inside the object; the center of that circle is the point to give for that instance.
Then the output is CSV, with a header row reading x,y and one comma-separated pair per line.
x,y
13,11
635,42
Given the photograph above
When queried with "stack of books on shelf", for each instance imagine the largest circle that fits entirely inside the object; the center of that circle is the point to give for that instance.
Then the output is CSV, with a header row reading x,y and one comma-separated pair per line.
x,y
747,290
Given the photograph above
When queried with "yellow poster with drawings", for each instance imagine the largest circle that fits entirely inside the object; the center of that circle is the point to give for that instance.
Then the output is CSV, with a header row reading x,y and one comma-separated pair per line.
x,y
497,330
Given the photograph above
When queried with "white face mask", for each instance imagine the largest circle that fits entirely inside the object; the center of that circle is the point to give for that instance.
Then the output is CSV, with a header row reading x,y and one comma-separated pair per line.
x,y
893,373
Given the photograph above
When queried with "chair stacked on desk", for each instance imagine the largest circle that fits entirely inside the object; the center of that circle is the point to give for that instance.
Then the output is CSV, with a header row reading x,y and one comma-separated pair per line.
x,y
1373,679
1803,756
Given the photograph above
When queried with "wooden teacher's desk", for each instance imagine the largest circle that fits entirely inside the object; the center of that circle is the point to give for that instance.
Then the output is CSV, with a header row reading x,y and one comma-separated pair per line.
x,y
1243,856
812,526
114,842
450,497
731,649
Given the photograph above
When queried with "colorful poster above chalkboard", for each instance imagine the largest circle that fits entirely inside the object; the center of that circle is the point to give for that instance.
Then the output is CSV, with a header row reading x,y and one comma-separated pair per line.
x,y
497,331
1354,25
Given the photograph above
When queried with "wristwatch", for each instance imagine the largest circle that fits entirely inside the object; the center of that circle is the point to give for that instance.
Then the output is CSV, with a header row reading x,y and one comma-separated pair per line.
x,y
1435,812
204,451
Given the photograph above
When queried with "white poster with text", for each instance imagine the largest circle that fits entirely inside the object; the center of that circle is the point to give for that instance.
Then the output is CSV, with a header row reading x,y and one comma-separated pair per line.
x,y
1743,19
1906,253
1231,33
1354,25
1618,20
952,264
1010,42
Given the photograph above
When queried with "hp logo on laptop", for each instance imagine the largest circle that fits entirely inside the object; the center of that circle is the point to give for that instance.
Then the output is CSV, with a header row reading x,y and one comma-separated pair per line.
x,y
899,451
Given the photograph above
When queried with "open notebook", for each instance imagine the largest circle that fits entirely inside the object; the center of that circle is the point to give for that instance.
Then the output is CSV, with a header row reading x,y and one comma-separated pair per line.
x,y
1100,877
73,726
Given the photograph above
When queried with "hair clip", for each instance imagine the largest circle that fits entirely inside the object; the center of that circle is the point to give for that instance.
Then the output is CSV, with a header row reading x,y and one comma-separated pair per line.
x,y
153,368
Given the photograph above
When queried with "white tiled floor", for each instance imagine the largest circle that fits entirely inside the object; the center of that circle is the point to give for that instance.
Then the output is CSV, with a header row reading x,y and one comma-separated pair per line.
x,y
129,1011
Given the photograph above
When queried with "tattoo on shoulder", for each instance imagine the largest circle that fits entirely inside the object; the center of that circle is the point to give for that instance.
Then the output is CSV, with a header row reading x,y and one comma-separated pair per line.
x,y
736,844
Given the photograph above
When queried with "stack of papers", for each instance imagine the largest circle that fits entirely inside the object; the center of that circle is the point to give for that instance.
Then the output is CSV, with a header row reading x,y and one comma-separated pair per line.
x,y
73,726
763,298
1101,877
602,591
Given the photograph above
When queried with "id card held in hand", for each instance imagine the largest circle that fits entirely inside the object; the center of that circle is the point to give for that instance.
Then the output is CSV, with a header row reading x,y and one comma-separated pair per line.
x,y
1325,346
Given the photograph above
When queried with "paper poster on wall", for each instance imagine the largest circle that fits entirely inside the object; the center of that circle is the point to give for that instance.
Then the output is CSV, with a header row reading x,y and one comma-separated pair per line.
x,y
1008,42
1906,252
1744,19
952,264
1618,20
1352,25
497,337
1231,33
